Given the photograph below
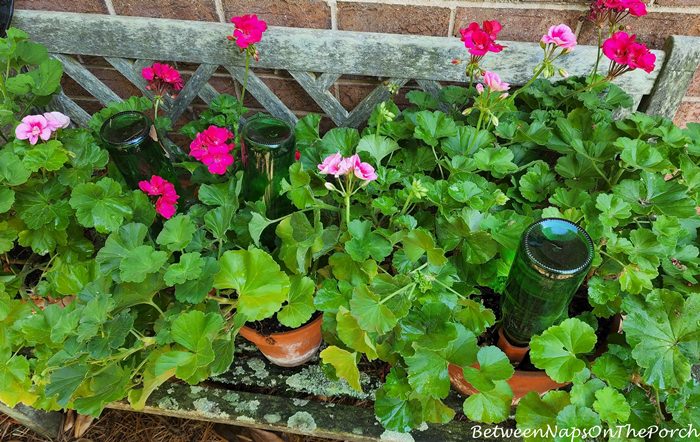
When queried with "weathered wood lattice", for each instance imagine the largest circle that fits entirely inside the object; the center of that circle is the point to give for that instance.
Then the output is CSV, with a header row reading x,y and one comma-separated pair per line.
x,y
315,59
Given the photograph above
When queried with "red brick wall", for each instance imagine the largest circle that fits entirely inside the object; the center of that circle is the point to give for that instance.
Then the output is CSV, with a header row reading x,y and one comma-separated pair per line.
x,y
523,21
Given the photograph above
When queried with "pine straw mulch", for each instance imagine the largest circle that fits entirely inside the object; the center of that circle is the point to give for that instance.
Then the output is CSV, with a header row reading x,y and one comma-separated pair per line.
x,y
125,426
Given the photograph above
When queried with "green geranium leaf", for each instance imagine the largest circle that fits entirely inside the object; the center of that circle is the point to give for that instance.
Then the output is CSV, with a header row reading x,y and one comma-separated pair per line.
x,y
538,182
100,205
490,406
397,412
12,170
556,350
352,335
300,303
345,365
497,160
64,381
475,316
462,350
140,262
371,313
583,394
611,405
189,268
540,413
258,223
189,328
638,154
601,291
427,374
418,242
613,209
15,381
366,243
44,206
49,156
223,194
663,331
7,199
494,366
260,284
432,126
340,139
610,368
8,235
634,279
119,244
195,290
652,194
574,417
177,232
377,146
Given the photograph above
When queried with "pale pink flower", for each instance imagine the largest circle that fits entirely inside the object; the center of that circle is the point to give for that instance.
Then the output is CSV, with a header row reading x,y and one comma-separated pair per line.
x,y
56,120
480,88
561,36
494,82
334,165
32,128
363,171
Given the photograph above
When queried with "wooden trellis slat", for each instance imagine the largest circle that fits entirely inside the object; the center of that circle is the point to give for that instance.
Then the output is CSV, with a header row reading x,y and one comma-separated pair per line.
x,y
327,79
379,94
207,93
263,94
87,79
322,96
77,114
198,80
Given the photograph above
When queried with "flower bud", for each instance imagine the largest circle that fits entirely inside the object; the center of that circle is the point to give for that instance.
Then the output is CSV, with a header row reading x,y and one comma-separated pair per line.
x,y
330,187
563,73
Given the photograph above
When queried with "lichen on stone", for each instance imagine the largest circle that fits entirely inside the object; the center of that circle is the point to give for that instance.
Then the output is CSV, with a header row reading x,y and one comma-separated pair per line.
x,y
168,403
272,418
245,419
259,367
195,389
422,427
395,436
302,420
247,407
208,408
357,430
231,397
311,379
300,402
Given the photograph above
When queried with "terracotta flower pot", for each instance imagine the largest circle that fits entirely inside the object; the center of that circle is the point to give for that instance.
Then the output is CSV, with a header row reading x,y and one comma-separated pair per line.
x,y
288,349
521,383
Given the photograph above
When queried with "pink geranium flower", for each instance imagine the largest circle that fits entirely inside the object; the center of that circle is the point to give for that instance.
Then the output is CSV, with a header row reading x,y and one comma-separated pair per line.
x,y
480,41
212,148
167,196
561,36
56,120
249,30
627,54
32,128
494,82
161,78
636,8
363,171
334,165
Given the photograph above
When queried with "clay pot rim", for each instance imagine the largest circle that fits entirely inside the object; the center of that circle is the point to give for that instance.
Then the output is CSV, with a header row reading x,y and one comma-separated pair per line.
x,y
290,333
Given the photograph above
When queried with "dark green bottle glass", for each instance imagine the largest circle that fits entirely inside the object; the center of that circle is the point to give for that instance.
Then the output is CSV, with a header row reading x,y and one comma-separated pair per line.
x,y
552,261
136,155
267,151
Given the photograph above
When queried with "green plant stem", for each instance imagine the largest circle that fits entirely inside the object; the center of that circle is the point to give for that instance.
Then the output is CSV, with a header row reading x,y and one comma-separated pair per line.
x,y
405,206
245,75
391,295
598,55
450,289
156,103
613,258
155,306
222,300
529,83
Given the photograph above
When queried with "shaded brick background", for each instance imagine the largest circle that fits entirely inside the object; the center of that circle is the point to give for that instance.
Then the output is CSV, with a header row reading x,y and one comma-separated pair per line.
x,y
522,20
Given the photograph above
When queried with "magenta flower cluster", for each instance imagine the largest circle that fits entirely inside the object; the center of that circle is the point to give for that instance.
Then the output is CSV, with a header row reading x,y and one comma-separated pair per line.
x,y
165,191
212,147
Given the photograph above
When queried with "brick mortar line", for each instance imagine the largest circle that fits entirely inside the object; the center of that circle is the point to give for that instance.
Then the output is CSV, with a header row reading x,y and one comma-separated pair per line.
x,y
515,5
219,6
691,99
453,19
333,5
110,7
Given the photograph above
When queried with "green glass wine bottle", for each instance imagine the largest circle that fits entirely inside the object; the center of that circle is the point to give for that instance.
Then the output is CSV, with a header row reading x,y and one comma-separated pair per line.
x,y
550,264
136,155
267,151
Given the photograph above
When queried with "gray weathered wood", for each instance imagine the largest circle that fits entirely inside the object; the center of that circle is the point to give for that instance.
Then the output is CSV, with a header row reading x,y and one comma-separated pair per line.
x,y
207,93
48,424
380,55
682,58
77,114
379,94
321,95
263,94
87,79
327,79
200,78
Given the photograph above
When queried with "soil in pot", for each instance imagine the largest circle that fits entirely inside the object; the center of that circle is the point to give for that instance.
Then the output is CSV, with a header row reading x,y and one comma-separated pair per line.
x,y
283,346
